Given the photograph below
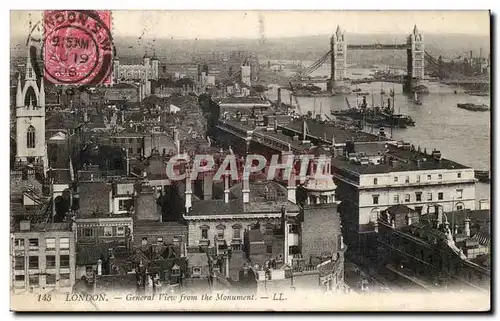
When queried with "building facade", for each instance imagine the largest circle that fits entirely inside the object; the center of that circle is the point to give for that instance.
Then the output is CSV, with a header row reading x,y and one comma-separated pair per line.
x,y
43,257
148,70
400,176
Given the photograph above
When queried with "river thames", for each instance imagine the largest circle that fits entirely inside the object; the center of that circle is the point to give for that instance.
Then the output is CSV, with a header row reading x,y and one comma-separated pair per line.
x,y
461,135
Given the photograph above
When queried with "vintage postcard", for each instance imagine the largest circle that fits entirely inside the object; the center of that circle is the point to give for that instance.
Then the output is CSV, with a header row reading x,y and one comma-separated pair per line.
x,y
250,160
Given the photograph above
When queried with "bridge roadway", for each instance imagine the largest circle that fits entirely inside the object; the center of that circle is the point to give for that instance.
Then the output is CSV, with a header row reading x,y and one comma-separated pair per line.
x,y
397,80
378,46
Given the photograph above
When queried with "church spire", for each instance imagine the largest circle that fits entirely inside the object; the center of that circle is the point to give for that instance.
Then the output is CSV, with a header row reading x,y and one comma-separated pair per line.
x,y
30,73
41,102
19,95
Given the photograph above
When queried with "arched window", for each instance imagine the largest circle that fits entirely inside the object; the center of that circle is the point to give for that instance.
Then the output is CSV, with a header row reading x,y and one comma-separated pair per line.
x,y
30,137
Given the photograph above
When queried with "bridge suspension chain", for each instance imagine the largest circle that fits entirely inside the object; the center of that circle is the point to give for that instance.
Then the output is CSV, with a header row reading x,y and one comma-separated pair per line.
x,y
313,67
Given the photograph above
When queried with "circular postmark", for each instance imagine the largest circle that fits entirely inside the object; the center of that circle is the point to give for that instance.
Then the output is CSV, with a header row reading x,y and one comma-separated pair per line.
x,y
77,47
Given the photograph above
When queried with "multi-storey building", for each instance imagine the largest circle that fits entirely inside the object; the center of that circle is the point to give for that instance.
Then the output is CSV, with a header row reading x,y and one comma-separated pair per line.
x,y
148,70
398,175
434,250
43,257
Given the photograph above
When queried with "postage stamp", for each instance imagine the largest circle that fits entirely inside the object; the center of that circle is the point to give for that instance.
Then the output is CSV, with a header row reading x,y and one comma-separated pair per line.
x,y
77,47
250,160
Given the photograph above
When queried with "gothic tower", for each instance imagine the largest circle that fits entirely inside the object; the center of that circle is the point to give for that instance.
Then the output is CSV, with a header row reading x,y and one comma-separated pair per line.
x,y
416,54
338,48
338,63
116,71
30,118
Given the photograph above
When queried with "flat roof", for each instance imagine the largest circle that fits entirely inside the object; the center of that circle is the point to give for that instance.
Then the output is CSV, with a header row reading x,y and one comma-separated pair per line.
x,y
327,131
405,160
244,100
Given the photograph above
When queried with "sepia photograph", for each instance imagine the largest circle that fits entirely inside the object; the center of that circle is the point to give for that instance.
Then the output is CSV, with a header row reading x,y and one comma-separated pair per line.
x,y
253,160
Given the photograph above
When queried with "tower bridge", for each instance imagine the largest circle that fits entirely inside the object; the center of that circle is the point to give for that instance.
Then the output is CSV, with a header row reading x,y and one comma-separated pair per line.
x,y
417,57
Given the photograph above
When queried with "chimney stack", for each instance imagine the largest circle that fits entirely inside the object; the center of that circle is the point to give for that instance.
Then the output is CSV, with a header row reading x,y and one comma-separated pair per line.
x,y
246,188
439,213
467,227
226,189
279,97
99,267
189,191
408,219
292,188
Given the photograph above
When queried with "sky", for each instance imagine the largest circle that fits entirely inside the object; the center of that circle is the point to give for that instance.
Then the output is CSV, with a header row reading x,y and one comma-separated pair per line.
x,y
245,24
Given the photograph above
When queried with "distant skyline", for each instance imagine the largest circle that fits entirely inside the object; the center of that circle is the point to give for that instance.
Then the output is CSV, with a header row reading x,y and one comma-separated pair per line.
x,y
245,24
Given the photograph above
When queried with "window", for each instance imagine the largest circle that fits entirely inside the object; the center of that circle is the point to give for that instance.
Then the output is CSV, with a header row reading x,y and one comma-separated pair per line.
x,y
19,278
19,242
64,243
418,209
460,193
120,231
395,179
459,175
139,150
50,279
418,196
130,150
293,228
130,140
460,207
220,233
396,199
176,271
33,244
440,176
159,240
375,181
87,232
34,280
375,199
19,263
269,229
269,249
50,244
64,261
175,239
30,137
236,233
429,177
197,270
440,196
407,198
407,179
125,205
204,234
108,231
33,262
418,178
144,241
50,261
63,276
429,196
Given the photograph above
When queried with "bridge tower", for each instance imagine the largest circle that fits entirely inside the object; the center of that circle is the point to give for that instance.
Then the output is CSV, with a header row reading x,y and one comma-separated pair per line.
x,y
338,49
416,57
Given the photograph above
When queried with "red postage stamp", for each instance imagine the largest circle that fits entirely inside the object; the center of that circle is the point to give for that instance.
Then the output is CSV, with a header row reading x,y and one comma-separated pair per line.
x,y
77,47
